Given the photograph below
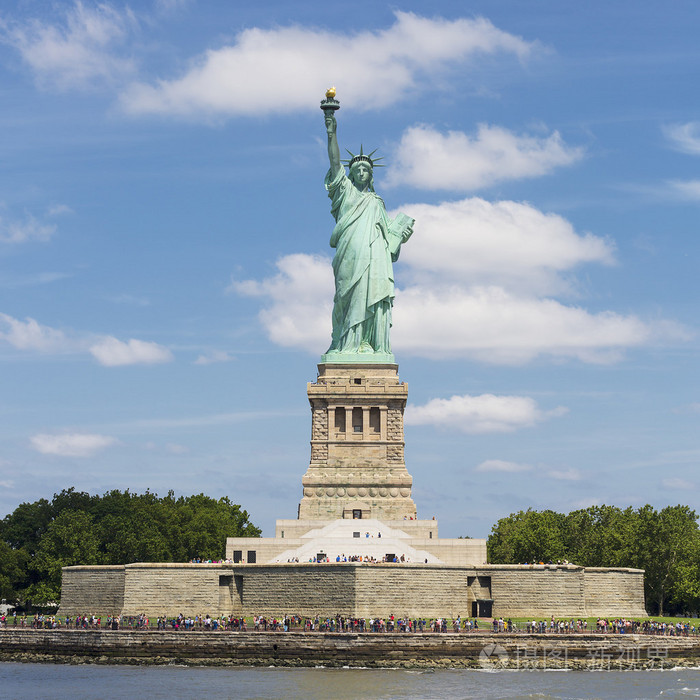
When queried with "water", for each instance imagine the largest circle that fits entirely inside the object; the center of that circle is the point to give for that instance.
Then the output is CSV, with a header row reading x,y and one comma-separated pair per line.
x,y
19,681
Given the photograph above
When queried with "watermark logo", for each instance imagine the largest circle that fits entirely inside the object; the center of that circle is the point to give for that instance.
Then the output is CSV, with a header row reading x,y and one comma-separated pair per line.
x,y
493,656
603,657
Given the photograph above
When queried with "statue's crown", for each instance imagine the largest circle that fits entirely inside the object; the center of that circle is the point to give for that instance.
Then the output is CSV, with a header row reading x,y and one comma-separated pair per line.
x,y
362,157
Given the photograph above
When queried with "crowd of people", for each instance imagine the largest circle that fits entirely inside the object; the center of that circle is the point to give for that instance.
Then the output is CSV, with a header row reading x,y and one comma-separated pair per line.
x,y
364,558
606,626
258,623
199,560
339,623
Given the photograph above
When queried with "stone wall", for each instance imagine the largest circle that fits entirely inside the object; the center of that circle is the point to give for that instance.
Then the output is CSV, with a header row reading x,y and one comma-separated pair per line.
x,y
418,591
594,651
265,549
538,591
607,590
302,589
319,431
92,589
565,591
395,451
455,551
155,589
353,589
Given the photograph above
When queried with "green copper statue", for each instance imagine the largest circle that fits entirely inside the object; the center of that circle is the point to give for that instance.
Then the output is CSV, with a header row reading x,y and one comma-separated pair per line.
x,y
366,242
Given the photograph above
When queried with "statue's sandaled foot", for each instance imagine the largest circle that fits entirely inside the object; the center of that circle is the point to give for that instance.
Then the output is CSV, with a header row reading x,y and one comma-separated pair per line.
x,y
366,348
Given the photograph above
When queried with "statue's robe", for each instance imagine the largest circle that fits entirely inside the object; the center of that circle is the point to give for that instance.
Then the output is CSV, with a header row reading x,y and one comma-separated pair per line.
x,y
364,278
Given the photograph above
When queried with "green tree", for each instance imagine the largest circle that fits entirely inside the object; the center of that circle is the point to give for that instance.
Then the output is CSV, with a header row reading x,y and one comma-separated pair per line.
x,y
599,536
26,524
205,523
70,539
38,539
14,574
528,536
686,590
665,544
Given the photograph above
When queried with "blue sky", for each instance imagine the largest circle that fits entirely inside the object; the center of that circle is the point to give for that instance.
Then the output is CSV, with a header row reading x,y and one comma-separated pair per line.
x,y
165,284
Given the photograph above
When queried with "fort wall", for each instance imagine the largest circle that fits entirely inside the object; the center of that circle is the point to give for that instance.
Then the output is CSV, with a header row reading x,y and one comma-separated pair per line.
x,y
93,589
353,589
612,589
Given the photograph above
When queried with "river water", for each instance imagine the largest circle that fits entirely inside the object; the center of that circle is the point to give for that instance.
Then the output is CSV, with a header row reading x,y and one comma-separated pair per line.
x,y
86,682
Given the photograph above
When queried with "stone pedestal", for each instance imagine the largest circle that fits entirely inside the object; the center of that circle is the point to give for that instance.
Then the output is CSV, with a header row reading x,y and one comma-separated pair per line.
x,y
357,464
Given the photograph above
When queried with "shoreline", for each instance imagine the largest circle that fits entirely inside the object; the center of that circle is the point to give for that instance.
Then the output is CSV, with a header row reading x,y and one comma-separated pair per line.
x,y
482,651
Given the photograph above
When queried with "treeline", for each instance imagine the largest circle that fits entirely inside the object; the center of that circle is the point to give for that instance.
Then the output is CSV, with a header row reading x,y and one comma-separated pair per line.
x,y
665,543
120,527
39,538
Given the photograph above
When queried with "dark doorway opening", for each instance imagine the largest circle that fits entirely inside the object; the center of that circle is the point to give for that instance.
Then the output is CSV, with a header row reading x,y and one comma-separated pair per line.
x,y
484,608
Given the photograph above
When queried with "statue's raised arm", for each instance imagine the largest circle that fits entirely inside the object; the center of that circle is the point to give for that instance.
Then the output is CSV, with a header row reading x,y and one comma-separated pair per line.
x,y
333,148
366,242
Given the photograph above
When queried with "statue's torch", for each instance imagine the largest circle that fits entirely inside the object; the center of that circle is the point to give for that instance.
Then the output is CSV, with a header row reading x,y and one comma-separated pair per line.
x,y
330,104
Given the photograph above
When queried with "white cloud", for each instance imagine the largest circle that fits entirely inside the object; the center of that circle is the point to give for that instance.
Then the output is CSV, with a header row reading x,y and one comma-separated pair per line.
x,y
300,300
288,68
31,335
213,357
431,160
59,210
107,350
676,484
492,325
499,465
480,282
685,189
437,320
666,191
78,51
480,414
504,243
111,352
684,137
28,229
12,281
564,474
72,444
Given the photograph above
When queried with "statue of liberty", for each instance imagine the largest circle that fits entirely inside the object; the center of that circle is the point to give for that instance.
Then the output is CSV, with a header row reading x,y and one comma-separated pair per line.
x,y
366,243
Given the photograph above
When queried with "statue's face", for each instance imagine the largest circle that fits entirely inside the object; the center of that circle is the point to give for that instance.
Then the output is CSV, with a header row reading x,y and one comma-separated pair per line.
x,y
361,175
